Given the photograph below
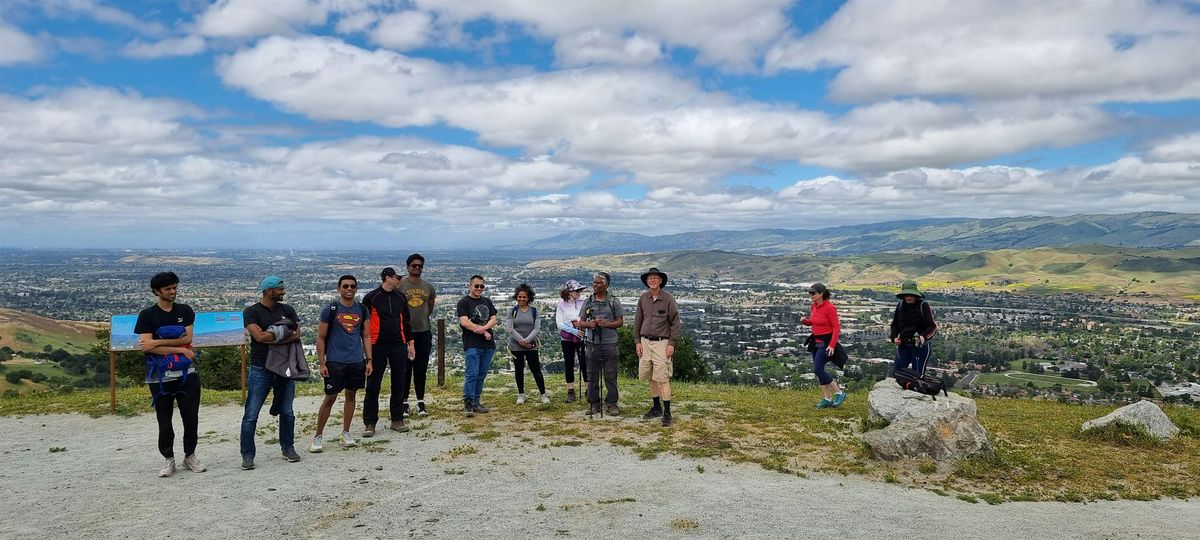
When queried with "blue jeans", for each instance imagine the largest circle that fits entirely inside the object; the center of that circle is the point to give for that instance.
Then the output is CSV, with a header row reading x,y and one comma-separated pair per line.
x,y
478,362
820,358
911,354
258,383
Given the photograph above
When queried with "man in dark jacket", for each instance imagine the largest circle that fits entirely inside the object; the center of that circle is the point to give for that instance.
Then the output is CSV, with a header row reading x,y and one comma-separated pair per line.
x,y
392,345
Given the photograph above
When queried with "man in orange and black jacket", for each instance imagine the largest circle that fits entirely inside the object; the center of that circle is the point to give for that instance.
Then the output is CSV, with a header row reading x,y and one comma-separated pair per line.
x,y
392,345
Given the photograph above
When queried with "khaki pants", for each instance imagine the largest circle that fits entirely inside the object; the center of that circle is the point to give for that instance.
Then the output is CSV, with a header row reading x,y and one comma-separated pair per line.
x,y
654,364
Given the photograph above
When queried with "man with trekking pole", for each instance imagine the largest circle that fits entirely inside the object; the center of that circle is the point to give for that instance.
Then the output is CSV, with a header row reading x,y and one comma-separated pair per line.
x,y
600,319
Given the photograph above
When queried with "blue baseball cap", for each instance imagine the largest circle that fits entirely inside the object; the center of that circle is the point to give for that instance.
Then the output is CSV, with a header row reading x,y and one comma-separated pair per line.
x,y
270,282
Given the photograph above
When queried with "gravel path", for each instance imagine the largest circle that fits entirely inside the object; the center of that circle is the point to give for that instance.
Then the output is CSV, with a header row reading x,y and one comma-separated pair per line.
x,y
104,485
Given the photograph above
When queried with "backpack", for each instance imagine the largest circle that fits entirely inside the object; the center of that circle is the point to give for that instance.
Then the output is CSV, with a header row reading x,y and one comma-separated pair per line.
x,y
160,364
929,385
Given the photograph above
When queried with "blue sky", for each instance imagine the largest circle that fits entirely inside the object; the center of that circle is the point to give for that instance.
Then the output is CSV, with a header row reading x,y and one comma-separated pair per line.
x,y
452,123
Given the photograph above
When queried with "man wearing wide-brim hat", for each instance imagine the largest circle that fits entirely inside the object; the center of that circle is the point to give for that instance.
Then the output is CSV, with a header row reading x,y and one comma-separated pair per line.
x,y
913,326
655,331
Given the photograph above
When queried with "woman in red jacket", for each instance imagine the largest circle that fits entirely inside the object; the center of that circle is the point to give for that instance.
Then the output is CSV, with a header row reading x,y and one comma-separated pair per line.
x,y
825,331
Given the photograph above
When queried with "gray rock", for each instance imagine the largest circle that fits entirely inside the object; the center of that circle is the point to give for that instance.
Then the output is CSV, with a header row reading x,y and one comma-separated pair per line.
x,y
942,436
890,403
1143,413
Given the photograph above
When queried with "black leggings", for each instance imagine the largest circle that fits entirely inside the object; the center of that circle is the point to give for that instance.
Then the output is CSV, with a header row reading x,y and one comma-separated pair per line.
x,y
535,367
571,349
419,367
189,411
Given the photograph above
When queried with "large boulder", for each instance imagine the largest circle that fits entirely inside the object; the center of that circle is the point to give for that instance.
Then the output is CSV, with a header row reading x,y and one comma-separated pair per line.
x,y
887,402
1144,414
942,436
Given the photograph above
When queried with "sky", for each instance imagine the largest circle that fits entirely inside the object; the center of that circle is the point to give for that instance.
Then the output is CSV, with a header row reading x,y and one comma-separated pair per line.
x,y
347,124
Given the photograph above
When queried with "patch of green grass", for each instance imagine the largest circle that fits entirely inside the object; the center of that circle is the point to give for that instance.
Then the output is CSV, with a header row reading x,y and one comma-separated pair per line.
x,y
1122,434
557,444
927,466
57,449
615,501
969,498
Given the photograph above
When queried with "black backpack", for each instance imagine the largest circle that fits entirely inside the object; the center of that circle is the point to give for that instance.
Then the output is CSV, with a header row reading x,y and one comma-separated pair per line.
x,y
929,385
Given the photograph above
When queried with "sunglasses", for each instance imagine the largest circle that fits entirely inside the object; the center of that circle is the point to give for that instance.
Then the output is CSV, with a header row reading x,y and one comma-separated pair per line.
x,y
478,286
349,286
810,293
416,265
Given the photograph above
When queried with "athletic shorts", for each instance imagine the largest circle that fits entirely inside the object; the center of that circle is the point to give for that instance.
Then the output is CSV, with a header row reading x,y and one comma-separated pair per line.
x,y
345,377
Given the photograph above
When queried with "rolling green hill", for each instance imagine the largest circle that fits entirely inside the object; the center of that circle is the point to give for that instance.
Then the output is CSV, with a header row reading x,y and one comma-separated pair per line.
x,y
1083,269
25,332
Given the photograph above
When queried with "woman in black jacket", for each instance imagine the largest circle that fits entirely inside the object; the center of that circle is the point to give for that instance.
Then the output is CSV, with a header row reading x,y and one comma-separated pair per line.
x,y
912,328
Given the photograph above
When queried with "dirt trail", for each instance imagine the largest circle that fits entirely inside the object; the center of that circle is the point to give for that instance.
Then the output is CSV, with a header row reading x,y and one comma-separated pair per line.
x,y
103,485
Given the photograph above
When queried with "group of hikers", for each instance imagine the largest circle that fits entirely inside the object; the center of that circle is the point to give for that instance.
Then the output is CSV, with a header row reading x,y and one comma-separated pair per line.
x,y
389,329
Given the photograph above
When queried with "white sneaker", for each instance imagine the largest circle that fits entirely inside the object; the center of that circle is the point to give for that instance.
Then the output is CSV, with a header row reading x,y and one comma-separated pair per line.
x,y
520,399
421,409
193,464
168,469
347,440
317,446
545,398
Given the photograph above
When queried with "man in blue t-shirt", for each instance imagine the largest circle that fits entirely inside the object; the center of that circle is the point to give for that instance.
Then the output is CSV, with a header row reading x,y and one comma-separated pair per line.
x,y
342,347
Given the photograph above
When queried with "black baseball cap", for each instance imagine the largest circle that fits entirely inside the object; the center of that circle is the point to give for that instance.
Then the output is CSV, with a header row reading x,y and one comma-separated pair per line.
x,y
387,272
818,288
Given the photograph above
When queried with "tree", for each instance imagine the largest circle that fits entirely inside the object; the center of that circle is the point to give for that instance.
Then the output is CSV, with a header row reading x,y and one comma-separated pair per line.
x,y
686,365
13,377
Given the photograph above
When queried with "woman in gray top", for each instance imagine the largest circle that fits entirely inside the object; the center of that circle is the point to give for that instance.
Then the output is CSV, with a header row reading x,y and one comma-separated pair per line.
x,y
523,327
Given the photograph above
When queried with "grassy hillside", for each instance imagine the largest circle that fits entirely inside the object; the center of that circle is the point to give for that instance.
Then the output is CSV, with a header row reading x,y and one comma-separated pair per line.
x,y
1088,269
24,332
1040,454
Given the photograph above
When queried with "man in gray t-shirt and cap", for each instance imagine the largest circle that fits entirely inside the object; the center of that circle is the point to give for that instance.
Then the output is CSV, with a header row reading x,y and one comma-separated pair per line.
x,y
599,318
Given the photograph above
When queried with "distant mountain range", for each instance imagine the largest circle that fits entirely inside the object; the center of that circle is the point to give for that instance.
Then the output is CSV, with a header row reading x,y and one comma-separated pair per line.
x,y
1101,270
1149,230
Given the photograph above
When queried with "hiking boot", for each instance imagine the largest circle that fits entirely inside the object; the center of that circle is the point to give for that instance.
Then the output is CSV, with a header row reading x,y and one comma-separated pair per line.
x,y
654,412
421,409
290,455
316,446
468,408
247,463
479,408
193,464
571,396
666,420
545,398
168,468
369,431
612,410
839,398
520,399
347,440
398,425
593,408
824,404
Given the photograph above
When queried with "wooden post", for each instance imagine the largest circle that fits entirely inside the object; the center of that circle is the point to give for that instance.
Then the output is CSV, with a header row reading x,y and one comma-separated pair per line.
x,y
112,382
243,351
441,353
